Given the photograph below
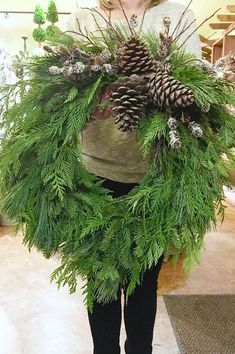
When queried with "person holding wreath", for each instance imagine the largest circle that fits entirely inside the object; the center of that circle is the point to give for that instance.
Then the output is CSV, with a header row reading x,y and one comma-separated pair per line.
x,y
114,156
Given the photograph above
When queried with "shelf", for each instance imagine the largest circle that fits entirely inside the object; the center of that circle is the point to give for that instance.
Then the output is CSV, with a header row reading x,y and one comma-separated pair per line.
x,y
220,25
226,18
225,44
231,8
207,41
219,42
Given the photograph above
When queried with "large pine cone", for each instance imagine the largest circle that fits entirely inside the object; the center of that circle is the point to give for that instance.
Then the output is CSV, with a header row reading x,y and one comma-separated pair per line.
x,y
128,101
135,58
165,91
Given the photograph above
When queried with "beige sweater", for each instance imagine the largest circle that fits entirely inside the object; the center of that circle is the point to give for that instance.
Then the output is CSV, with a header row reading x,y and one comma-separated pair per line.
x,y
108,152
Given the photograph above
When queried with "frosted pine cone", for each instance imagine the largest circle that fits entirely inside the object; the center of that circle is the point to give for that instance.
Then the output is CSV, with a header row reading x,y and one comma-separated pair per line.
x,y
55,70
175,139
172,123
108,68
79,67
195,129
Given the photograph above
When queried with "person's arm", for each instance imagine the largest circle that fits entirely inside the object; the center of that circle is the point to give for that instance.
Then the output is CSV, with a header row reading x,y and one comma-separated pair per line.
x,y
193,42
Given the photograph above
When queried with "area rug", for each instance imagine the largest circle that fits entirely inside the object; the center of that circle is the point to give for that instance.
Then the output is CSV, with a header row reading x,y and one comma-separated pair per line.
x,y
203,324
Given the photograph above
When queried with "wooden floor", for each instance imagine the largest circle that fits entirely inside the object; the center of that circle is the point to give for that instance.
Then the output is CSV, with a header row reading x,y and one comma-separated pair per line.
x,y
36,318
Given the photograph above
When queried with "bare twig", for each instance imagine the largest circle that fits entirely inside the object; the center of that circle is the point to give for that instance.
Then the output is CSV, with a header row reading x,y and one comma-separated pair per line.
x,y
128,22
88,35
98,13
100,29
109,16
182,32
181,17
142,21
81,33
106,21
208,18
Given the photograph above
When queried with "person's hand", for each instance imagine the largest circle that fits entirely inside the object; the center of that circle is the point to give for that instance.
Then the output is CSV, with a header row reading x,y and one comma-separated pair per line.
x,y
106,112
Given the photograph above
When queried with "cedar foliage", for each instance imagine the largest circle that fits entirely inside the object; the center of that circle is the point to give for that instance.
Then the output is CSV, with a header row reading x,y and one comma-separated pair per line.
x,y
65,211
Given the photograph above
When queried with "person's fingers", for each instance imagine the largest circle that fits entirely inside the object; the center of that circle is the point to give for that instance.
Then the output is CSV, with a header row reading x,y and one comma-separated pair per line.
x,y
106,94
101,114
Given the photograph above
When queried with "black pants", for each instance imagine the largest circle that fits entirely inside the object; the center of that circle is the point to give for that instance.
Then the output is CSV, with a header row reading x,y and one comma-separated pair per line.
x,y
139,313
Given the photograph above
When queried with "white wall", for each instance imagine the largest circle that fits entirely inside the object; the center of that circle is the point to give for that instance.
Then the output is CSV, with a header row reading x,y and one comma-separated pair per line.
x,y
22,25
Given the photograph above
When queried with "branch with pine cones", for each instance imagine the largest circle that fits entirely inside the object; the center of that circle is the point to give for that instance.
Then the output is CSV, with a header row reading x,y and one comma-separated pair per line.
x,y
144,81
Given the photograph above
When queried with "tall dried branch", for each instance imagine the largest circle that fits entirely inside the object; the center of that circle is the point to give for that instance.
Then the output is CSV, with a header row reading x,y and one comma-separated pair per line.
x,y
142,21
126,18
196,29
181,18
182,32
81,33
107,21
101,30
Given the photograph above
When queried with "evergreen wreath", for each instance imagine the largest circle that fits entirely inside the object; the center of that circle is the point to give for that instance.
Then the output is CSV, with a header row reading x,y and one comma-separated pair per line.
x,y
177,107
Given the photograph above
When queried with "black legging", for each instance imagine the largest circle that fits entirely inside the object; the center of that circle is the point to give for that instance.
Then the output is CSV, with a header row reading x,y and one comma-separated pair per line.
x,y
139,313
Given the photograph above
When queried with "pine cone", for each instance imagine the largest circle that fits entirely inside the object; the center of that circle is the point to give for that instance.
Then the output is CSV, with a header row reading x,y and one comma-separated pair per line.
x,y
175,142
63,52
76,52
105,56
165,91
172,123
128,101
100,59
195,129
135,58
48,49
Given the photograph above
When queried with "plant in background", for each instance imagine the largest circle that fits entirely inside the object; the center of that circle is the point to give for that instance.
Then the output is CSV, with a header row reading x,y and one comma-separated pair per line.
x,y
19,64
39,16
39,34
52,16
